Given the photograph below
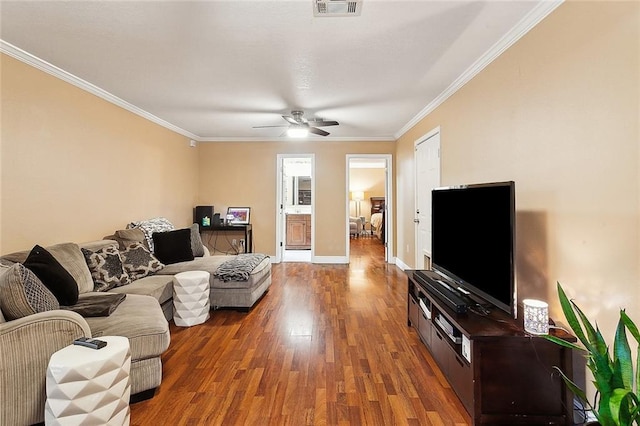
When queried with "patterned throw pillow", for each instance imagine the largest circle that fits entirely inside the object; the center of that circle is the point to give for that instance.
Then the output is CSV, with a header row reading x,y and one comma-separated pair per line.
x,y
139,262
157,224
106,268
22,293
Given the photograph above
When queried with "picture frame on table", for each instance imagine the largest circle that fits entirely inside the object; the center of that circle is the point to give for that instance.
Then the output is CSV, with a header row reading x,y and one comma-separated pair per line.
x,y
241,215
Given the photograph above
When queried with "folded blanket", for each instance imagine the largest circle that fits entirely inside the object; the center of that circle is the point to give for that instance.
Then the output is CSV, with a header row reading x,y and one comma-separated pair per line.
x,y
239,268
101,305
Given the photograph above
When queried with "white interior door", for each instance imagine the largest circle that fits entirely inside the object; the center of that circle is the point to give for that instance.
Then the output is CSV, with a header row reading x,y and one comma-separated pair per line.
x,y
427,161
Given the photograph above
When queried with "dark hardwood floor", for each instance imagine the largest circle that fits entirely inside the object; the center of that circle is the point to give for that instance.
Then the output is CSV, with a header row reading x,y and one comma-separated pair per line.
x,y
327,345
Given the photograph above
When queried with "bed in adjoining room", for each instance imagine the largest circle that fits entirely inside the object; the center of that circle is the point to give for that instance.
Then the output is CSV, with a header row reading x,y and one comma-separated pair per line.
x,y
377,217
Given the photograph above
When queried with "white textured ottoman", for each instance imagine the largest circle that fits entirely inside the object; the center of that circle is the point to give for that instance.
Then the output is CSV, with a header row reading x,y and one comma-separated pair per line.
x,y
190,298
89,386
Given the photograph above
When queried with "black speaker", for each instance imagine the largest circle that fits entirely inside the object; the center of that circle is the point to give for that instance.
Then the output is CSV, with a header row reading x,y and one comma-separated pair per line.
x,y
202,215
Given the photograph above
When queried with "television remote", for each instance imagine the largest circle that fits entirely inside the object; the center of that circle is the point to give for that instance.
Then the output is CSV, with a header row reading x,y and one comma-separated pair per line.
x,y
90,343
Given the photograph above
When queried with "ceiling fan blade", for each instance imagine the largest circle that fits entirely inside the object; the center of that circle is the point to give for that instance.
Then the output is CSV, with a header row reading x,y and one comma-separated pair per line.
x,y
323,123
290,119
318,132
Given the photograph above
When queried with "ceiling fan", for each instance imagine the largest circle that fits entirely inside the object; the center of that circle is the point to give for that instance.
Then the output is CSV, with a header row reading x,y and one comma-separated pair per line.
x,y
300,127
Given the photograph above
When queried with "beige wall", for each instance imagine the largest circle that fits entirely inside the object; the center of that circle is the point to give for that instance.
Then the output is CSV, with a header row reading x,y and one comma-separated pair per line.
x,y
75,167
244,174
558,113
371,181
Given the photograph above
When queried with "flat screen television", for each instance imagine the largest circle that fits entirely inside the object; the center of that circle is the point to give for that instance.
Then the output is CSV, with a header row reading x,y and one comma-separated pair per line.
x,y
473,233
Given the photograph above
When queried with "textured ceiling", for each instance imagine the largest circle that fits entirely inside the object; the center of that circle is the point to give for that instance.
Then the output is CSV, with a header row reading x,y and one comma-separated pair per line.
x,y
214,69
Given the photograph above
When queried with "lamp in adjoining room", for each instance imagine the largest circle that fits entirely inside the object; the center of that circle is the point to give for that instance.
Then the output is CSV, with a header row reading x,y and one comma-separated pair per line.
x,y
536,316
357,196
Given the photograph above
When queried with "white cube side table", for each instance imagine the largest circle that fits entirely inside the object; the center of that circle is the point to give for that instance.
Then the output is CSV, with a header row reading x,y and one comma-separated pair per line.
x,y
89,386
190,298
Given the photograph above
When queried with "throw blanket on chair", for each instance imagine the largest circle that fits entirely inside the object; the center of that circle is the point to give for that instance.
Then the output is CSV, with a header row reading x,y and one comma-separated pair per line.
x,y
238,268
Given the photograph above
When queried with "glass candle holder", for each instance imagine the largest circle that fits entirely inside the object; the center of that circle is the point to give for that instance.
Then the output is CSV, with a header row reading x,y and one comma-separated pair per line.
x,y
536,316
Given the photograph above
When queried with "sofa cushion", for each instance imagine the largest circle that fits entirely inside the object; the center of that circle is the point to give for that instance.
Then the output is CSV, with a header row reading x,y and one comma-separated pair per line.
x,y
173,246
70,257
22,293
138,318
126,237
53,275
160,287
209,264
196,241
139,262
106,268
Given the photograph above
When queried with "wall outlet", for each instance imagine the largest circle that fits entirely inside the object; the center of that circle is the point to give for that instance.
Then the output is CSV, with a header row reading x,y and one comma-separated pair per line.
x,y
242,243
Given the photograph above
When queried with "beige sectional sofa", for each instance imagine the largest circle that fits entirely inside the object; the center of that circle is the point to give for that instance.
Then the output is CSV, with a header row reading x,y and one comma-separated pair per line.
x,y
27,343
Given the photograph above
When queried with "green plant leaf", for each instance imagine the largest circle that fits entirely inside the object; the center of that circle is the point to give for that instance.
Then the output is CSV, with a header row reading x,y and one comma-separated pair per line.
x,y
636,335
569,314
620,404
603,413
596,341
564,343
622,353
630,325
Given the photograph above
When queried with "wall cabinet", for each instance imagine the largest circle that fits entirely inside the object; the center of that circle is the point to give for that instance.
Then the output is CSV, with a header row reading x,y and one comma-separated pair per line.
x,y
500,373
298,232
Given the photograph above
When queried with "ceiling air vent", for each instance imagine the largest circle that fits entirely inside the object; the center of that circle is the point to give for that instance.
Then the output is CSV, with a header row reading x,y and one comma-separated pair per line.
x,y
337,8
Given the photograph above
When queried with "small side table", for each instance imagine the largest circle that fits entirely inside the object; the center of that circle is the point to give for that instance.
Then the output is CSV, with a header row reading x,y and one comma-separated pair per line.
x,y
190,298
89,386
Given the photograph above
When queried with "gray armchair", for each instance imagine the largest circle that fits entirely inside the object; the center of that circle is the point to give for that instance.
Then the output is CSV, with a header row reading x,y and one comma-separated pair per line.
x,y
355,226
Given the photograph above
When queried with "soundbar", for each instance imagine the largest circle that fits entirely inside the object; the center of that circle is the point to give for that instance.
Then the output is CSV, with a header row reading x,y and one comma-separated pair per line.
x,y
451,299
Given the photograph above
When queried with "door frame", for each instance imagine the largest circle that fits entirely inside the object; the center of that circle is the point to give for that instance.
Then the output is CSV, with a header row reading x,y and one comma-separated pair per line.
x,y
388,201
280,216
424,138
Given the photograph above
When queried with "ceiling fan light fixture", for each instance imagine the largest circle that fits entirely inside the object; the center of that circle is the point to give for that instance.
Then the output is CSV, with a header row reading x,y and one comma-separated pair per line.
x,y
297,132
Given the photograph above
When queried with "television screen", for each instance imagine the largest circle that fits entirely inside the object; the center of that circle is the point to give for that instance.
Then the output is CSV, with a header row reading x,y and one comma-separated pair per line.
x,y
473,229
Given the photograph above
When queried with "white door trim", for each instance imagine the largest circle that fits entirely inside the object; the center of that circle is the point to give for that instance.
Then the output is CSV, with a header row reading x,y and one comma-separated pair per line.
x,y
280,244
420,140
388,189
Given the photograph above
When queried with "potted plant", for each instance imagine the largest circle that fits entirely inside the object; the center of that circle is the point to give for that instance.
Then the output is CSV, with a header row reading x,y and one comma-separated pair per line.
x,y
617,398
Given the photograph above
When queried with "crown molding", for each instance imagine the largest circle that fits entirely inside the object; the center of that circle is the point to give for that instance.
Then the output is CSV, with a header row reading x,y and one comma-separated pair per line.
x,y
533,18
34,61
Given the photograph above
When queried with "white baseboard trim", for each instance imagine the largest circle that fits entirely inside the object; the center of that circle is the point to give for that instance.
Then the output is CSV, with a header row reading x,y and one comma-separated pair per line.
x,y
400,264
330,259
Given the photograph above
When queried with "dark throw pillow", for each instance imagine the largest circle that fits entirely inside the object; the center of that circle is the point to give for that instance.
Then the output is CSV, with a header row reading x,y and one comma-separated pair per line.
x,y
139,262
173,246
106,268
53,275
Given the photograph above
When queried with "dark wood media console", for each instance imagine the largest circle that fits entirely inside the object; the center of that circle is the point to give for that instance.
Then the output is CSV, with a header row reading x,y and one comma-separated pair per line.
x,y
501,374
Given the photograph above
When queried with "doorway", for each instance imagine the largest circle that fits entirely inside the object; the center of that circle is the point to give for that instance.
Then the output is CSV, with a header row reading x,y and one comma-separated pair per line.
x,y
427,166
369,201
296,197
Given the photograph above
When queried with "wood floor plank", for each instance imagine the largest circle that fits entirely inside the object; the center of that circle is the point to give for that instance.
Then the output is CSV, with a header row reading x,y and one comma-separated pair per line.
x,y
327,345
